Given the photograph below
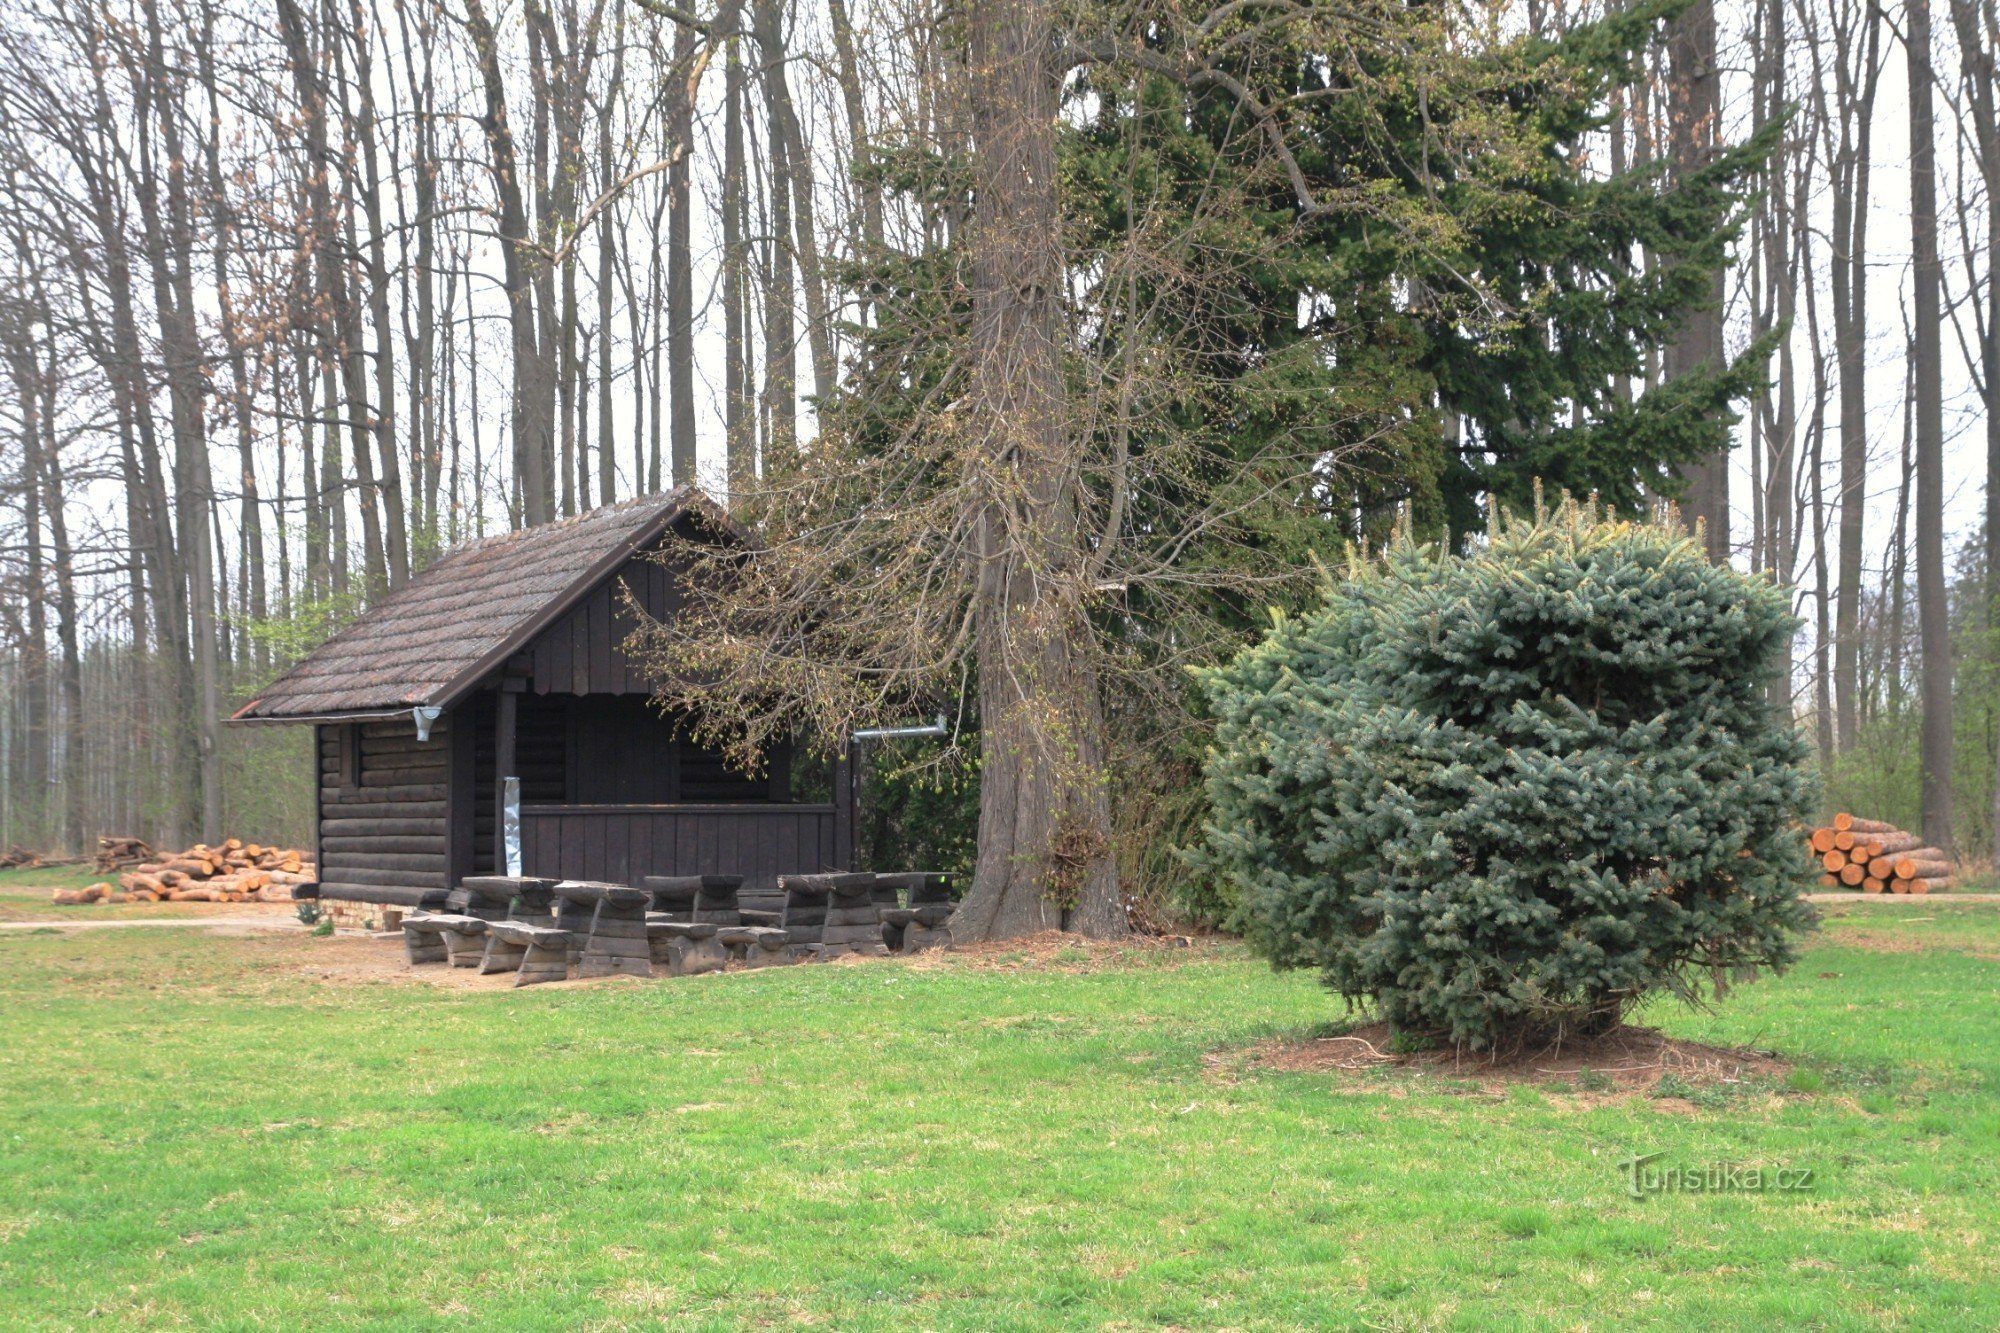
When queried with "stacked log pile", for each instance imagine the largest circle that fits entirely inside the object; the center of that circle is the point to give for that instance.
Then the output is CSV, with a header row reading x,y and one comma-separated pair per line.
x,y
235,872
1875,857
116,853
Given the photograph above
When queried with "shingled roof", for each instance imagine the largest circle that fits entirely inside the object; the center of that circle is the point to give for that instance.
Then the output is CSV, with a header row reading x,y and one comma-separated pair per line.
x,y
431,641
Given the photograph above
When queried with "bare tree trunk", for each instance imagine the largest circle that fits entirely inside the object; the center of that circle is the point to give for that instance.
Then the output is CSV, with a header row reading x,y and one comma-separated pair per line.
x,y
781,392
533,445
1045,850
679,327
1978,29
1696,96
1850,123
738,424
250,522
848,70
389,468
607,457
1926,273
169,242
1899,550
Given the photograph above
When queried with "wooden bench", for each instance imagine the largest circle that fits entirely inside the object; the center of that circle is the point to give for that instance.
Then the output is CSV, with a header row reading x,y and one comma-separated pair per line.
x,y
685,948
854,914
461,939
611,939
756,946
504,898
544,951
811,911
710,898
423,942
915,929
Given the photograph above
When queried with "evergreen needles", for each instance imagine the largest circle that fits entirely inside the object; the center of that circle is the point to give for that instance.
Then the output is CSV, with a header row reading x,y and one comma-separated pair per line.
x,y
1509,794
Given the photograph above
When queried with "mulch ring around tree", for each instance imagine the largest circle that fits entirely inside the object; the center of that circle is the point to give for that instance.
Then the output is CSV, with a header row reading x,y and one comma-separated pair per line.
x,y
1626,1062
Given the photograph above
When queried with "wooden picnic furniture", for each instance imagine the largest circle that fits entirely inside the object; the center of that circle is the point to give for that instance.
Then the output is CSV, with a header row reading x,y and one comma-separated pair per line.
x,y
544,951
915,929
686,948
756,946
462,937
607,927
710,898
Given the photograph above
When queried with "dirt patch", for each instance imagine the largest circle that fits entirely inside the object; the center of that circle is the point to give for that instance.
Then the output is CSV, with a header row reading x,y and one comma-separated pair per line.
x,y
1632,1060
1878,943
1059,949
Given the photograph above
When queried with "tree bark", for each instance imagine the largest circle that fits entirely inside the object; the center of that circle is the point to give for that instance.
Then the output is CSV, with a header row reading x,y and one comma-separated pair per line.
x,y
533,461
1926,273
680,282
1045,848
1856,68
1696,97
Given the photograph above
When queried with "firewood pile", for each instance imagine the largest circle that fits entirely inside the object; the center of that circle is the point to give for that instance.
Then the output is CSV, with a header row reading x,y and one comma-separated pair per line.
x,y
235,872
119,853
1875,857
18,857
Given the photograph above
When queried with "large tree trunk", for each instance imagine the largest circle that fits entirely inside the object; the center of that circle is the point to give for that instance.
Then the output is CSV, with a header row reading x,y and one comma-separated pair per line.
x,y
738,422
1855,69
781,381
532,429
1045,849
395,510
1978,25
169,239
1696,100
1926,273
680,280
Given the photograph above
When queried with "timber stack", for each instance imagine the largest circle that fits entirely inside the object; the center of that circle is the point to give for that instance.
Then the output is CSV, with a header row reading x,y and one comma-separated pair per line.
x,y
235,872
1875,857
115,853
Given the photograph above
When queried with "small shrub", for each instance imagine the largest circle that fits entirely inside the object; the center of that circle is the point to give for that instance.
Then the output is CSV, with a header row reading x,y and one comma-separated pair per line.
x,y
325,927
1512,793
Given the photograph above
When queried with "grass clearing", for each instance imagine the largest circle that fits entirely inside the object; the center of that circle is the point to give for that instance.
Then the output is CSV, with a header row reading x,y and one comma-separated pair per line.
x,y
228,1132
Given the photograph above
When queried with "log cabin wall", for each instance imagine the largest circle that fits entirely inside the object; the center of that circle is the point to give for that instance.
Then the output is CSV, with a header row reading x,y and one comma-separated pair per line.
x,y
382,809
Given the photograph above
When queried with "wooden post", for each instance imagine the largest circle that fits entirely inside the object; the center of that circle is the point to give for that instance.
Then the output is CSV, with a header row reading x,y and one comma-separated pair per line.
x,y
843,808
780,765
503,768
461,801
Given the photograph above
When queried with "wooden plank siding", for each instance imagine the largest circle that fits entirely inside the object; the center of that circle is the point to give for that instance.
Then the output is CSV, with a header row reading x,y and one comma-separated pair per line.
x,y
384,812
623,844
583,651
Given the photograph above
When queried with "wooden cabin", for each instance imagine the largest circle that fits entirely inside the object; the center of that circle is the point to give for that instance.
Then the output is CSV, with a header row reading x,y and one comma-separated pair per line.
x,y
505,659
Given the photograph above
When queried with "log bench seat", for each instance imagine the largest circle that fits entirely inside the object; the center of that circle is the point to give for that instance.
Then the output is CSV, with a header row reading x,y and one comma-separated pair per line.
x,y
853,914
685,948
915,929
441,937
710,898
611,939
756,946
544,951
831,914
505,898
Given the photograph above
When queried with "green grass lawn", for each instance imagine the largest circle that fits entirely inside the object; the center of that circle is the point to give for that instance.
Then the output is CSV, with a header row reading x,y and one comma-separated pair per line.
x,y
227,1133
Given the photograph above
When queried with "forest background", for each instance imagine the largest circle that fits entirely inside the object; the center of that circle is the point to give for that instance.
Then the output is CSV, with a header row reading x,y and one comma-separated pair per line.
x,y
301,293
